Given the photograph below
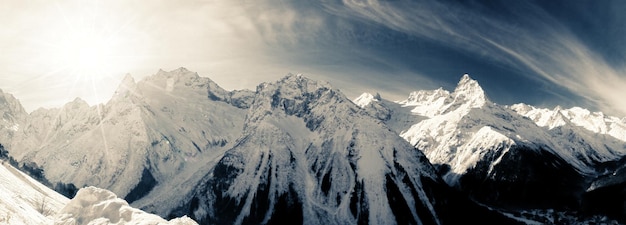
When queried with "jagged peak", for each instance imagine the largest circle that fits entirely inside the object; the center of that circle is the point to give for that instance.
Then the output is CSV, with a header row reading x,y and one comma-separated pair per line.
x,y
521,108
181,71
466,78
78,101
467,84
425,95
128,78
301,81
127,85
12,102
366,98
169,81
6,95
469,90
581,111
294,94
294,77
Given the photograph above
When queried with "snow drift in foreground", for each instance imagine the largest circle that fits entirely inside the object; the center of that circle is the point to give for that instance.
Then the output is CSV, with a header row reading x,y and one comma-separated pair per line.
x,y
98,206
24,200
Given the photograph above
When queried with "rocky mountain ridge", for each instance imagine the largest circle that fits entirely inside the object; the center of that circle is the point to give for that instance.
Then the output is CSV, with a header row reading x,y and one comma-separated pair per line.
x,y
298,150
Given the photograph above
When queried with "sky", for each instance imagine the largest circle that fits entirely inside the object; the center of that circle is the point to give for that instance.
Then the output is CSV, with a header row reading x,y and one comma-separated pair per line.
x,y
544,53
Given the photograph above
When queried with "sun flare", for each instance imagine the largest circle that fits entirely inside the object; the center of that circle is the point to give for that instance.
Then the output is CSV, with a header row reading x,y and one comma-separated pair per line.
x,y
86,49
87,54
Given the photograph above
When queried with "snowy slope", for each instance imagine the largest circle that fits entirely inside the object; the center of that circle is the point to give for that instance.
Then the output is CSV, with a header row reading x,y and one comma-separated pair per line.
x,y
153,135
366,99
374,105
298,151
463,126
24,200
95,206
506,154
310,156
595,122
307,155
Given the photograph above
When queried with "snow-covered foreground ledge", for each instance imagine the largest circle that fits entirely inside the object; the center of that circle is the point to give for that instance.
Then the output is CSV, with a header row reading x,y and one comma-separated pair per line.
x,y
96,206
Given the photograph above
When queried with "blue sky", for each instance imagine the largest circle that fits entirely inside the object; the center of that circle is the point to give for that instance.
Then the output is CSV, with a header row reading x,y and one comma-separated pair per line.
x,y
545,53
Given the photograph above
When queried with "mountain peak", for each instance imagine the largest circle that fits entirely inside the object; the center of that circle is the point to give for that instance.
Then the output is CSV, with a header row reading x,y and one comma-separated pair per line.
x,y
77,103
127,85
557,108
467,83
365,99
10,103
466,77
128,79
469,90
425,97
180,72
294,77
302,82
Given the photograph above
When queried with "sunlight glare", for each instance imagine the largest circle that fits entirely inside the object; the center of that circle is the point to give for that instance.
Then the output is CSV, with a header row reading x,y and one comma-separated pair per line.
x,y
87,54
86,49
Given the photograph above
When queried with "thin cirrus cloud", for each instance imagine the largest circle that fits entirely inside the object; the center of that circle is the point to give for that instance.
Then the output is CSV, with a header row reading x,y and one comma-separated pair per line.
x,y
522,36
354,44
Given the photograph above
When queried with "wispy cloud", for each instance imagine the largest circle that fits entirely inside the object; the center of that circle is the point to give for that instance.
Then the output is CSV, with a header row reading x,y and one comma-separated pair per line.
x,y
531,41
242,43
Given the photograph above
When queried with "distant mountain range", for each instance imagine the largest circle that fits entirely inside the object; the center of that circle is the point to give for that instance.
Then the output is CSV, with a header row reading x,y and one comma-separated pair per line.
x,y
298,151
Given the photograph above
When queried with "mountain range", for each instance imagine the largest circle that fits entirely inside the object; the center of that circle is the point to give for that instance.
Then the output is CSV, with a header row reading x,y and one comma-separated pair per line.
x,y
299,151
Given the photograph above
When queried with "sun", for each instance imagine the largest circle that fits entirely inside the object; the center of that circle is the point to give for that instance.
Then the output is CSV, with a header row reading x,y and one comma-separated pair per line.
x,y
85,49
86,60
87,54
83,45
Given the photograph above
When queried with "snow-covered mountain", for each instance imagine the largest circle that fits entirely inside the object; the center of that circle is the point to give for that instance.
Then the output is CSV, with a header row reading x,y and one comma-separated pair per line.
x,y
175,143
506,155
596,122
298,151
153,135
12,116
309,156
